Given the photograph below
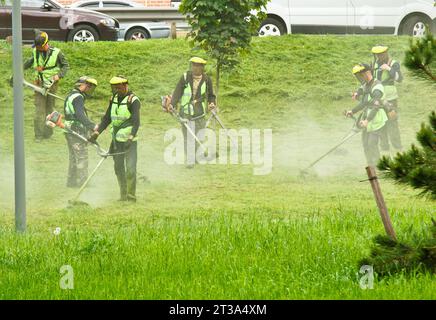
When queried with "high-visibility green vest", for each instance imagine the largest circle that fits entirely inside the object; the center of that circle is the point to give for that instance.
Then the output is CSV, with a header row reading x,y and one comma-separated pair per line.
x,y
381,118
70,112
391,92
49,64
121,118
187,98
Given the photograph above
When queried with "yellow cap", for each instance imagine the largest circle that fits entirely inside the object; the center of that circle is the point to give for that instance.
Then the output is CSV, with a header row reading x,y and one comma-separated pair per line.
x,y
198,60
41,38
92,81
44,35
379,49
118,80
358,68
85,79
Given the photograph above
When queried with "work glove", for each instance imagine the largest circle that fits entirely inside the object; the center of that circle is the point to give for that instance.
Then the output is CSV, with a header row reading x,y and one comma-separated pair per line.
x,y
93,138
386,67
212,106
166,104
129,142
392,115
363,123
348,113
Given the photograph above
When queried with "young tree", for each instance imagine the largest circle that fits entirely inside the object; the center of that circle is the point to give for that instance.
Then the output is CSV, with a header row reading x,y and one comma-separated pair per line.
x,y
223,28
421,56
417,166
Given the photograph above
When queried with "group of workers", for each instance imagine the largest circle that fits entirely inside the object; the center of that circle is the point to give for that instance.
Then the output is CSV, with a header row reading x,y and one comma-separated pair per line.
x,y
194,93
378,104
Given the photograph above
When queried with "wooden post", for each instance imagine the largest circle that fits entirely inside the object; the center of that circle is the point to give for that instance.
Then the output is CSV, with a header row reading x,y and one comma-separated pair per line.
x,y
173,30
381,202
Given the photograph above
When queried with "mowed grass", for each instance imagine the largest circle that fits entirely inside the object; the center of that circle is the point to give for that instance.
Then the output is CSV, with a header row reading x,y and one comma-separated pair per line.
x,y
218,231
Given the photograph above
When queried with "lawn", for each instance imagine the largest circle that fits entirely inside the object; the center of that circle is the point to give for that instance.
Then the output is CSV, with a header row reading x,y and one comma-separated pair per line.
x,y
216,231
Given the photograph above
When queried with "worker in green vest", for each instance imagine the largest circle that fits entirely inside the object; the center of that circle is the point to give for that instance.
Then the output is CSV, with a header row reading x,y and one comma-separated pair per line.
x,y
124,115
388,71
50,66
194,92
76,119
373,117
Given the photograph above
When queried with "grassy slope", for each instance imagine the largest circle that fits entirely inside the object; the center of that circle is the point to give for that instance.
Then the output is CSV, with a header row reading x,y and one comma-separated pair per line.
x,y
274,236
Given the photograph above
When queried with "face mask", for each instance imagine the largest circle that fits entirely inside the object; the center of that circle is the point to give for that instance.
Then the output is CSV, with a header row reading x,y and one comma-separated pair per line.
x,y
197,70
360,78
114,89
90,90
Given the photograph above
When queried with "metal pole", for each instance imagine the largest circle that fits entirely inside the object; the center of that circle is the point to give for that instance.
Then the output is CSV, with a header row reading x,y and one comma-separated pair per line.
x,y
20,175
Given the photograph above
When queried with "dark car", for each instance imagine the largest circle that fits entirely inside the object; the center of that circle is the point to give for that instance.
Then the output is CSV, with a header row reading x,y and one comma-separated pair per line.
x,y
61,23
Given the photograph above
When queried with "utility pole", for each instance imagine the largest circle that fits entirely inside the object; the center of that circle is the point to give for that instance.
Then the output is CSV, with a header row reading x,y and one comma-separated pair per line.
x,y
20,173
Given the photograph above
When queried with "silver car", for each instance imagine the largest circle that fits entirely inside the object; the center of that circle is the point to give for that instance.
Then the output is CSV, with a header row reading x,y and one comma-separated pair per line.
x,y
128,30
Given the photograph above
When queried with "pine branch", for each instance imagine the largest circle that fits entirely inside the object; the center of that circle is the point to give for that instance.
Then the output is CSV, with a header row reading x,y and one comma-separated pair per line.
x,y
428,72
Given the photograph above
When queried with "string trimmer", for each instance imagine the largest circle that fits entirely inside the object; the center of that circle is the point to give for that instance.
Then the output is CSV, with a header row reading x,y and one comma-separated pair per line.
x,y
46,92
55,120
218,119
354,131
166,101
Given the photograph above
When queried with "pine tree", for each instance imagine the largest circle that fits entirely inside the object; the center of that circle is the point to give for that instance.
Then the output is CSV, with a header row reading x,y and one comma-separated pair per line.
x,y
417,166
421,56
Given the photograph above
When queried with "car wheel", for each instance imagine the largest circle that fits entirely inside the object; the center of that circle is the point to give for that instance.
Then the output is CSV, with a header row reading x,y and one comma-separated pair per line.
x,y
137,34
415,26
271,27
83,33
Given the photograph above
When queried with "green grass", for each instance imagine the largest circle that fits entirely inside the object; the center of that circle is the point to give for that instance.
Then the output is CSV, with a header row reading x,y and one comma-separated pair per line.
x,y
215,232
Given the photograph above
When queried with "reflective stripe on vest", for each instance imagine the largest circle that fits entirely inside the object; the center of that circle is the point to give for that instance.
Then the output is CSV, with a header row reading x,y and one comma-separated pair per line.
x,y
49,64
380,118
70,112
185,101
121,118
391,92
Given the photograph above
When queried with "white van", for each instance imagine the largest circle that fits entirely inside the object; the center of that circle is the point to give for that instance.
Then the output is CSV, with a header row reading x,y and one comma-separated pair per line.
x,y
349,17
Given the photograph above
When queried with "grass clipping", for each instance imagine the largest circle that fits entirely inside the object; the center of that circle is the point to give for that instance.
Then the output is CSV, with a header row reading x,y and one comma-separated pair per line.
x,y
388,257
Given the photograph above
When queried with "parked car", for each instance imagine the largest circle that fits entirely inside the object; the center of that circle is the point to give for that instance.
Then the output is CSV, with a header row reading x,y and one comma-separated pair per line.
x,y
144,30
90,4
61,23
131,30
407,17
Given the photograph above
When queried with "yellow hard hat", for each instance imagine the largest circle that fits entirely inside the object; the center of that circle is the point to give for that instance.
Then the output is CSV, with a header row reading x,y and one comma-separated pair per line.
x,y
198,60
41,38
86,79
118,80
379,49
360,68
92,81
